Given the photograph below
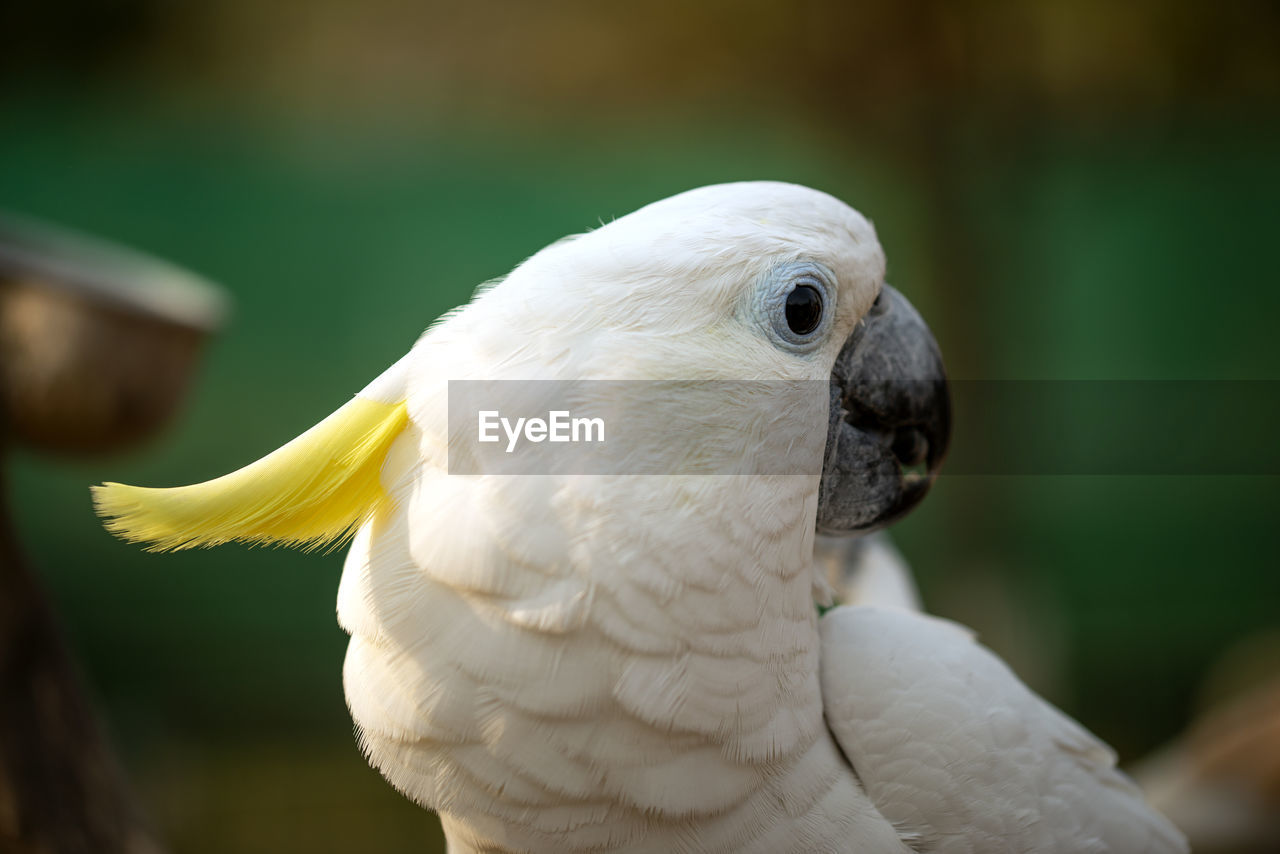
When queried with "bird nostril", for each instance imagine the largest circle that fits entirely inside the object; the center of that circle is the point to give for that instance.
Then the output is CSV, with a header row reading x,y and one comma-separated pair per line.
x,y
880,306
910,446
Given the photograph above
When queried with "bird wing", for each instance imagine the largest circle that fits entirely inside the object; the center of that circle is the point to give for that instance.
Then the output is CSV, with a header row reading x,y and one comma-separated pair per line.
x,y
955,751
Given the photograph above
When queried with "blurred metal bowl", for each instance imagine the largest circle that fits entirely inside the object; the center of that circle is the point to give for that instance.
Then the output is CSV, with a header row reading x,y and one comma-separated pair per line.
x,y
97,342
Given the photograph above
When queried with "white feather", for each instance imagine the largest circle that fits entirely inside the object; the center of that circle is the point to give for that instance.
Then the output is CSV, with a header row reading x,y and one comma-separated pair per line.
x,y
952,748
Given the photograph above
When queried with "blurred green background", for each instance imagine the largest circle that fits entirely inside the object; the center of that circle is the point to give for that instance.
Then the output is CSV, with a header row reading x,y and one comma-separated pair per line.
x,y
1066,190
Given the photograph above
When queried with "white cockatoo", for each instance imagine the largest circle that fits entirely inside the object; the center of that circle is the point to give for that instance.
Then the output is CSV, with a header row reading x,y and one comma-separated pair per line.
x,y
634,660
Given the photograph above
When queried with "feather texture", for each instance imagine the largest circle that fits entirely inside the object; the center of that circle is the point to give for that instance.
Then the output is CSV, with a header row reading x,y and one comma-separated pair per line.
x,y
311,493
954,750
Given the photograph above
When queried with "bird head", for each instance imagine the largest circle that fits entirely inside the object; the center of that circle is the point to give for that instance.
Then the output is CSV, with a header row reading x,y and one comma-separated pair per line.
x,y
746,281
754,281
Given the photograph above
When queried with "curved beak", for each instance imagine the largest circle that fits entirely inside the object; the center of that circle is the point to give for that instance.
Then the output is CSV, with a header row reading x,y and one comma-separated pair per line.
x,y
889,421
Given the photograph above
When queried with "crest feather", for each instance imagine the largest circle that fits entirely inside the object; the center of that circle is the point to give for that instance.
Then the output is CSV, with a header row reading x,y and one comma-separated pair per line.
x,y
312,493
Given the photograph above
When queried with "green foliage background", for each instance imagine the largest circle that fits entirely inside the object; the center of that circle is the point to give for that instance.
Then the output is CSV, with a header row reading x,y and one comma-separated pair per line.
x,y
1048,224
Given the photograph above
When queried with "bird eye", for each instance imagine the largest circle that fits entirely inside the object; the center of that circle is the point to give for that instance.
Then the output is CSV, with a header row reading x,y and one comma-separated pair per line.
x,y
795,301
804,309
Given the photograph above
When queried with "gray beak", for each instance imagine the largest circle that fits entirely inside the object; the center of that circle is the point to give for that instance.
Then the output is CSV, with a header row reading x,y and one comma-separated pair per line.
x,y
889,422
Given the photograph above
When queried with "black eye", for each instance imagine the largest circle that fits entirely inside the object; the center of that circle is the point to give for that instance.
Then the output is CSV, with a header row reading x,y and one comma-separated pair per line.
x,y
804,309
796,300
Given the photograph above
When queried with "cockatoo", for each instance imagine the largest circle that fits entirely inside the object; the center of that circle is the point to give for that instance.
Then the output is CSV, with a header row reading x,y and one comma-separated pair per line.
x,y
589,662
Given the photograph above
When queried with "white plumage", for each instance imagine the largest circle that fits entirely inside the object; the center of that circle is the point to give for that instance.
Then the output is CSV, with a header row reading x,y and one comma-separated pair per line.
x,y
958,753
636,663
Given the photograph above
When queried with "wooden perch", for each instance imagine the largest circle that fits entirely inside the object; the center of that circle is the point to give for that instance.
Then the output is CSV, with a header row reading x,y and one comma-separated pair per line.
x,y
96,347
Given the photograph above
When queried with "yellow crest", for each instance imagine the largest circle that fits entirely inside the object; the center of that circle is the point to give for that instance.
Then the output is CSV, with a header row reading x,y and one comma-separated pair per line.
x,y
311,493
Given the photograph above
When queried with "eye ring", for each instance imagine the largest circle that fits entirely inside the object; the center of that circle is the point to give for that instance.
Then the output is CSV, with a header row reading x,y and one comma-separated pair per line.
x,y
797,304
